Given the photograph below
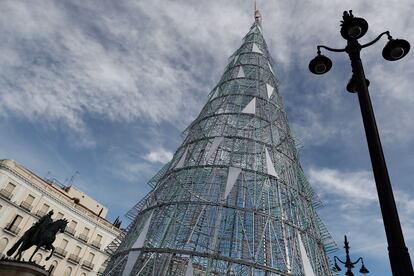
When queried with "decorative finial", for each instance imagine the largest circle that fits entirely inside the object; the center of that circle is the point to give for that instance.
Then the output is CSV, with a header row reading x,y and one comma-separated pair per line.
x,y
347,16
257,15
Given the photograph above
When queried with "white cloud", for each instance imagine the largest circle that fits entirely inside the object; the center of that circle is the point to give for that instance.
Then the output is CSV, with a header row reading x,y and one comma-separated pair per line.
x,y
352,185
353,209
157,62
159,155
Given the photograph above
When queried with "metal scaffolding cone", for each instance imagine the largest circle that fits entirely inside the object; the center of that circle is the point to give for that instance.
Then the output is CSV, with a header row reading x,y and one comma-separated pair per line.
x,y
234,199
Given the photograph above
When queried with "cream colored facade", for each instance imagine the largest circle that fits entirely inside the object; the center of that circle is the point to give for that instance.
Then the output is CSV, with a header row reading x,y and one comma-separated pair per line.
x,y
24,197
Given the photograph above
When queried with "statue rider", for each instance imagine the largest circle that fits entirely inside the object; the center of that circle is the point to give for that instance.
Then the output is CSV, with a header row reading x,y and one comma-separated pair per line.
x,y
42,223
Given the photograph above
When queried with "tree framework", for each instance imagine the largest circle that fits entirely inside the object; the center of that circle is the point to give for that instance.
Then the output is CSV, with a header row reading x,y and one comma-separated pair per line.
x,y
234,199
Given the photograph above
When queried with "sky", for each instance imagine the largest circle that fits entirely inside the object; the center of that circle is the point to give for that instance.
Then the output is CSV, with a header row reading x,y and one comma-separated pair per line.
x,y
106,88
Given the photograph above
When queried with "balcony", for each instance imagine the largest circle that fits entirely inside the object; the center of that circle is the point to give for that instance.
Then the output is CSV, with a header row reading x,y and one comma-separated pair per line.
x,y
60,252
87,265
70,231
40,213
75,259
83,237
96,244
12,229
6,194
26,205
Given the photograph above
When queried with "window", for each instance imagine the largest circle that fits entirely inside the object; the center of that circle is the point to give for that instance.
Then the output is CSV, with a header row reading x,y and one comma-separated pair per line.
x,y
27,203
44,208
53,267
38,258
59,215
63,244
29,199
3,244
86,231
16,221
72,224
7,192
90,257
77,251
10,187
68,271
98,238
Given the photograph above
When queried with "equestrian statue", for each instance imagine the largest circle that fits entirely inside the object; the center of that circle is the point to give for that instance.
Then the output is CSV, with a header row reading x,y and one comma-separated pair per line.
x,y
41,234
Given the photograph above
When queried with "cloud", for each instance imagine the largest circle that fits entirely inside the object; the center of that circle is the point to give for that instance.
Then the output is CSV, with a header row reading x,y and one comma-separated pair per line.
x,y
352,209
159,155
352,185
151,61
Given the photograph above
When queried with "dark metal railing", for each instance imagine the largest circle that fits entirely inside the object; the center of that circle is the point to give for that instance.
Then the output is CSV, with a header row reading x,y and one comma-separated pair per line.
x,y
87,264
60,251
12,229
6,194
74,258
83,237
26,205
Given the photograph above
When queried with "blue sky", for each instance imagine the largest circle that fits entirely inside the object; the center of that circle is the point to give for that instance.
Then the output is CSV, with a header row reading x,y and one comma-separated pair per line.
x,y
106,88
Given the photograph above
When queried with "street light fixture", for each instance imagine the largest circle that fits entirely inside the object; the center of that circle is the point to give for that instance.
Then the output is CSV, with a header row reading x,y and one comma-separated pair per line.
x,y
353,28
348,263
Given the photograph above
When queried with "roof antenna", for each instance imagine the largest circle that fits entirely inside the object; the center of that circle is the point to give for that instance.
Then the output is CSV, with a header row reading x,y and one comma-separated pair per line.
x,y
257,15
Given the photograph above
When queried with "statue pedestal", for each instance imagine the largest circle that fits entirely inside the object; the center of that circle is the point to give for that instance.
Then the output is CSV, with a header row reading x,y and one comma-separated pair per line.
x,y
18,268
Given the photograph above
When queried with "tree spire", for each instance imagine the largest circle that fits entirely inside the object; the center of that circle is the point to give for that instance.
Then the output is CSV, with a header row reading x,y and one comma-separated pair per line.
x,y
257,15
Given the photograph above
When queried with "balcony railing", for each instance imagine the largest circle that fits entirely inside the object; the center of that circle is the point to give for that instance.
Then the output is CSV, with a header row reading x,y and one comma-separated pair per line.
x,y
96,244
6,194
83,237
88,265
40,213
70,230
75,259
26,205
60,252
12,229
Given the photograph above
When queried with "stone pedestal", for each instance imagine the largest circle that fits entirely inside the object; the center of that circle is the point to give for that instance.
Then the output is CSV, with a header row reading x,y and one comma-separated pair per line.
x,y
18,268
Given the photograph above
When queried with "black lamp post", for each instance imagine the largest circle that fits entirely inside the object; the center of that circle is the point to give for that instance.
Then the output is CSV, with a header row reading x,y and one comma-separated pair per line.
x,y
348,263
353,28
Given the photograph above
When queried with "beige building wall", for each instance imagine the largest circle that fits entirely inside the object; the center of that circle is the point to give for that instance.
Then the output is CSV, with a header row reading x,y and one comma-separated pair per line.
x,y
24,197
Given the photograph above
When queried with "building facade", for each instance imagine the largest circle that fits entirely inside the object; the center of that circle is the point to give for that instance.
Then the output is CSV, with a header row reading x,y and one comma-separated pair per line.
x,y
234,200
25,197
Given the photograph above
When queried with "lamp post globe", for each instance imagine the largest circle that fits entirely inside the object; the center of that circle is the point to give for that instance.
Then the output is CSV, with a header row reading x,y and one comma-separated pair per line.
x,y
396,49
320,65
353,27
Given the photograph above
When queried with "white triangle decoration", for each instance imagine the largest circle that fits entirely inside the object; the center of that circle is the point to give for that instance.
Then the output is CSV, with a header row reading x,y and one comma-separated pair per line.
x,y
216,142
252,30
256,49
180,163
231,179
270,67
269,90
241,73
250,107
270,168
133,255
235,59
260,29
190,269
307,267
216,92
132,258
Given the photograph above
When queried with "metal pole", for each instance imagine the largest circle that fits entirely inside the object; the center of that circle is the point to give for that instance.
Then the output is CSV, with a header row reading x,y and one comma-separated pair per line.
x,y
397,250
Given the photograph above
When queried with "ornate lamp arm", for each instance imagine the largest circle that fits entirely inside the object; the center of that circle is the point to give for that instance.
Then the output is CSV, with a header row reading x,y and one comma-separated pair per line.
x,y
329,49
339,260
378,38
359,259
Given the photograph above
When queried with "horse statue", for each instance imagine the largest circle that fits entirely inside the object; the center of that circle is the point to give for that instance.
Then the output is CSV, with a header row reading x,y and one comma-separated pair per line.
x,y
41,234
